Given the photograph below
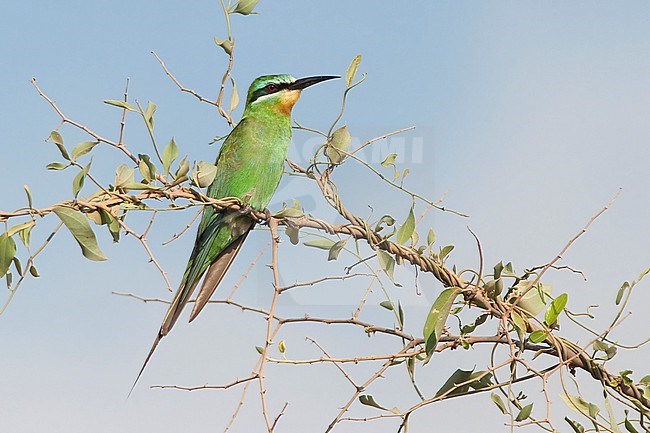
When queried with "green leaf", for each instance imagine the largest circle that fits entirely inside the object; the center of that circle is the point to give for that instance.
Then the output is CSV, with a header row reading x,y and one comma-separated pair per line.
x,y
282,346
183,169
431,237
294,235
406,230
437,317
24,235
120,104
534,299
29,195
338,145
83,148
245,7
537,336
234,96
524,413
78,181
575,425
387,305
146,167
7,253
389,160
78,226
323,244
554,310
445,251
518,321
497,270
643,273
628,425
226,44
20,227
148,115
58,140
452,385
18,266
621,292
352,70
203,174
336,249
123,176
33,271
56,166
387,263
169,154
499,402
400,315
578,404
368,400
259,349
386,219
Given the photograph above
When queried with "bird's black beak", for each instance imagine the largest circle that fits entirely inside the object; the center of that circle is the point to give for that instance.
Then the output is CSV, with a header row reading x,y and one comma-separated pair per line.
x,y
303,83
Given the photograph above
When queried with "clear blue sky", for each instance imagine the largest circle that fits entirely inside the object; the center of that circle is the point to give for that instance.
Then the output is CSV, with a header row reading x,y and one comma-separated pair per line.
x,y
529,116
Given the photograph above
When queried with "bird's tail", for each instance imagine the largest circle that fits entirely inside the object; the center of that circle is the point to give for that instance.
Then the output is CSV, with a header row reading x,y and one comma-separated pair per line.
x,y
146,361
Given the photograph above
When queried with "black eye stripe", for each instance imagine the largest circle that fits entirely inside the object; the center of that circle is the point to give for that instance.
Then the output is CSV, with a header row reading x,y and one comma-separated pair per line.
x,y
268,89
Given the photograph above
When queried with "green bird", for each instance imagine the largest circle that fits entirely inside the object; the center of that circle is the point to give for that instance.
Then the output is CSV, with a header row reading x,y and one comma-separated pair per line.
x,y
249,167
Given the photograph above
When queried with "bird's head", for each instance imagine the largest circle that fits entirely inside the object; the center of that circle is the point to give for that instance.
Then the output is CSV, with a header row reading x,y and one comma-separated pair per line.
x,y
279,92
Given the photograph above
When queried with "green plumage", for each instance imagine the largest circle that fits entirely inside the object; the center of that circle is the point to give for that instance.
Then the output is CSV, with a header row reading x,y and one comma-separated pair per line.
x,y
249,167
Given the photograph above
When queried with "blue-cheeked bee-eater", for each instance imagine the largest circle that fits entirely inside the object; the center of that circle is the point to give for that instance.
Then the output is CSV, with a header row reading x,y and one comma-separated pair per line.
x,y
249,167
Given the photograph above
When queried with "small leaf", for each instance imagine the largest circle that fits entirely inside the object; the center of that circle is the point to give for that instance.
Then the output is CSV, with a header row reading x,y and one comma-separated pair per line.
x,y
431,237
400,315
20,227
368,400
33,271
183,169
226,44
499,402
537,336
387,263
437,318
203,174
387,305
578,404
18,266
406,230
352,70
78,225
58,140
120,104
338,145
24,235
234,97
281,346
245,7
643,273
323,244
524,413
518,321
445,251
29,195
148,115
336,249
78,181
83,148
621,292
169,154
390,160
146,167
452,385
7,253
56,166
294,235
575,425
555,309
259,349
123,176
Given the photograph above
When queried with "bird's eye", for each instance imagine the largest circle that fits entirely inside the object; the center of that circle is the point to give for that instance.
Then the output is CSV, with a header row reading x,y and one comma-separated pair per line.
x,y
272,87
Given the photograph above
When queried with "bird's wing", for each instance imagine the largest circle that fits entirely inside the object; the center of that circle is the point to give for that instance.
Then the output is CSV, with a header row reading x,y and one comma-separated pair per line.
x,y
215,274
